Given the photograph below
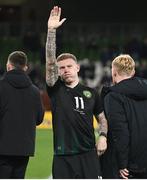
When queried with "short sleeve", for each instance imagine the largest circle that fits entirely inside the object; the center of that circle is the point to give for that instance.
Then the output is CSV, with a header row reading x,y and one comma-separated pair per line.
x,y
98,107
52,89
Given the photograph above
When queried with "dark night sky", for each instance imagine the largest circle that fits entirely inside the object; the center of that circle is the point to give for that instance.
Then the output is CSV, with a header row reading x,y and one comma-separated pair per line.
x,y
103,10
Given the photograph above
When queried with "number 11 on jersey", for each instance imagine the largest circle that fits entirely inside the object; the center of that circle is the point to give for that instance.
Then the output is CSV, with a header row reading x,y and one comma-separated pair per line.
x,y
79,102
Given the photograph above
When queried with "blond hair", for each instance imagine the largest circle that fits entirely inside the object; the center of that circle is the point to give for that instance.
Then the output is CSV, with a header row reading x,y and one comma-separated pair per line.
x,y
64,56
124,64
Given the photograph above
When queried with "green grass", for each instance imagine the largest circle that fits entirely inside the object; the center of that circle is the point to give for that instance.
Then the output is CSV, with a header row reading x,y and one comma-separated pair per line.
x,y
40,165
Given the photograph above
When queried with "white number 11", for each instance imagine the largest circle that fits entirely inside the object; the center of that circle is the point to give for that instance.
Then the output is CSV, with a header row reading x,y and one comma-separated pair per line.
x,y
79,102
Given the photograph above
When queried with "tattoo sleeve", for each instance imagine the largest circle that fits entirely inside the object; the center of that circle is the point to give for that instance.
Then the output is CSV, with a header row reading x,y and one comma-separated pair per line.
x,y
51,64
103,126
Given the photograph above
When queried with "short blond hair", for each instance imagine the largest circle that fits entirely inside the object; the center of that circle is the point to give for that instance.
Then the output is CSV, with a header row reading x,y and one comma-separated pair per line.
x,y
64,56
124,64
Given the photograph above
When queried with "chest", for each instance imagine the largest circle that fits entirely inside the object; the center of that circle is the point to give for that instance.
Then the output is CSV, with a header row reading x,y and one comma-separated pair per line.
x,y
79,100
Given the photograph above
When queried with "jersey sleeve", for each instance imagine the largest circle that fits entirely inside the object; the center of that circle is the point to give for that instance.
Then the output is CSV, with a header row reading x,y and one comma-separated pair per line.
x,y
51,90
98,107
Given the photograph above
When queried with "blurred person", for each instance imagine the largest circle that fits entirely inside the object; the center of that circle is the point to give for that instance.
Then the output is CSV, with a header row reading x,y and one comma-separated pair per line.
x,y
125,105
20,111
36,75
73,106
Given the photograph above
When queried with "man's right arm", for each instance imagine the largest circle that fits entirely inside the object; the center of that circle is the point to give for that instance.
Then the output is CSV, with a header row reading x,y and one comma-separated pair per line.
x,y
51,64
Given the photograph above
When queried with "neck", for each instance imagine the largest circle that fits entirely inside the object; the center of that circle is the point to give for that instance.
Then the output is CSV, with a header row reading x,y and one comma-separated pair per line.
x,y
73,84
121,78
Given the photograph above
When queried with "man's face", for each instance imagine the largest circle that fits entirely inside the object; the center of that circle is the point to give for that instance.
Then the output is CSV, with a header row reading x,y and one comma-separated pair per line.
x,y
68,70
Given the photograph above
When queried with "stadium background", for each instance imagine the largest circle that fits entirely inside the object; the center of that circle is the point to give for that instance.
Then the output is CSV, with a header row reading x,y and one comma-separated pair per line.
x,y
95,31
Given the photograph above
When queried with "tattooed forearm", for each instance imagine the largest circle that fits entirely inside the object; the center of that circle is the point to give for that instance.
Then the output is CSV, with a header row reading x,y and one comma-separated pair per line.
x,y
51,65
103,126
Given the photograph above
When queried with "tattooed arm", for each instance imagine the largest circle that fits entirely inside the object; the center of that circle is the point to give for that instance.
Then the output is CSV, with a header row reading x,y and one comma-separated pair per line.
x,y
51,64
103,126
103,129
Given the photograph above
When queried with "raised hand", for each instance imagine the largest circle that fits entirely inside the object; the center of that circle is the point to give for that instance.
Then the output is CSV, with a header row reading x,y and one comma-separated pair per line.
x,y
54,19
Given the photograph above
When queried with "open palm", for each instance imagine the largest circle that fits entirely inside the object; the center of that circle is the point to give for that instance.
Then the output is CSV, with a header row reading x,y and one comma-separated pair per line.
x,y
54,20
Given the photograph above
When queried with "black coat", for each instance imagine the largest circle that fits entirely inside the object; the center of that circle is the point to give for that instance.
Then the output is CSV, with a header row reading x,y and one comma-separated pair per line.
x,y
125,107
20,111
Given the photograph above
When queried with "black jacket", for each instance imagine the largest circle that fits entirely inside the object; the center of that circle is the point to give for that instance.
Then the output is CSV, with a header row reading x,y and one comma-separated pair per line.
x,y
125,107
20,111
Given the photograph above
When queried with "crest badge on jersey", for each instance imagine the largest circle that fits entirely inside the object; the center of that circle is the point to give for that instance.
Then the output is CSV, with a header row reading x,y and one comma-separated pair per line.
x,y
87,94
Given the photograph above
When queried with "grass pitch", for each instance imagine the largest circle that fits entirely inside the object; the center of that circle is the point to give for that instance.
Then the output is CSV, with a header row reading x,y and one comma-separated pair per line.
x,y
40,165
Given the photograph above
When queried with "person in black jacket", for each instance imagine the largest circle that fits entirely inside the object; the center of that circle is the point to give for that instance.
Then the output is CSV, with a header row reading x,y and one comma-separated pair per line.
x,y
21,110
125,105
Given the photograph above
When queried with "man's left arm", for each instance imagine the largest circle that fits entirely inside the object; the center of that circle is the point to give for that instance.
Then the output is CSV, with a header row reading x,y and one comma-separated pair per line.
x,y
101,143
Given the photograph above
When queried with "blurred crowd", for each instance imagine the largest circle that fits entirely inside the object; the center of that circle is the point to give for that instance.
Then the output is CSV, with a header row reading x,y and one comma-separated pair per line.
x,y
94,48
94,74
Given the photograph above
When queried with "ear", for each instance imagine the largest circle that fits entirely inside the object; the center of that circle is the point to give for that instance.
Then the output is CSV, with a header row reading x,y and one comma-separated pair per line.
x,y
9,67
78,67
133,73
115,74
25,68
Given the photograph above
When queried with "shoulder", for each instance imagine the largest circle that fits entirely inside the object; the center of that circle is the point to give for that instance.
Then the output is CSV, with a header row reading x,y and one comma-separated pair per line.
x,y
57,87
59,82
83,87
35,89
3,82
89,91
3,86
114,96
